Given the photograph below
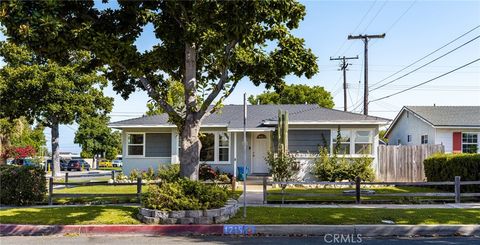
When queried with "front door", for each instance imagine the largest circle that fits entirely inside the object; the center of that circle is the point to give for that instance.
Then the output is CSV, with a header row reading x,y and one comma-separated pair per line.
x,y
261,143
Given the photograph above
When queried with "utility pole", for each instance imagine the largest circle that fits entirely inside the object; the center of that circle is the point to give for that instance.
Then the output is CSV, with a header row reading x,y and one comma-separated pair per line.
x,y
343,67
365,39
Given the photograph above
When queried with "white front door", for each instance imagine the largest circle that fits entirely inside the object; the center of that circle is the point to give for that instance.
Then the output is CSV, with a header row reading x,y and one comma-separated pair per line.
x,y
261,144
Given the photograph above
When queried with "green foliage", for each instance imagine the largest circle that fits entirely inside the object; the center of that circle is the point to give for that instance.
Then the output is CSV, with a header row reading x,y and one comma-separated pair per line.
x,y
184,194
19,133
284,167
175,98
133,175
444,167
333,169
149,174
22,185
95,137
295,94
169,173
381,135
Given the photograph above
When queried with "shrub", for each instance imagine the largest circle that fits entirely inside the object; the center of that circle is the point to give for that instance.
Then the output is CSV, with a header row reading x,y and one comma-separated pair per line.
x,y
22,185
149,174
444,167
332,169
133,175
224,178
206,172
283,166
169,173
184,194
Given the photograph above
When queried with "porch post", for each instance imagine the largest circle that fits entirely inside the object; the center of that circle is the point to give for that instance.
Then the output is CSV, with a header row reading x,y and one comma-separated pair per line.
x,y
234,179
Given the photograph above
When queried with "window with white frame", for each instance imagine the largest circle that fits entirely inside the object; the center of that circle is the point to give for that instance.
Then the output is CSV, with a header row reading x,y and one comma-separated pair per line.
x,y
343,144
469,142
363,142
424,139
215,147
135,144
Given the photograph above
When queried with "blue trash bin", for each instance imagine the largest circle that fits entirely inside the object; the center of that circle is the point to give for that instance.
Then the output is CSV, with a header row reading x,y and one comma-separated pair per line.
x,y
240,173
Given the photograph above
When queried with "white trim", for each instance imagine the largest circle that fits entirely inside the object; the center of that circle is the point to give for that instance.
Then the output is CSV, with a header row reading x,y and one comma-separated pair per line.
x,y
457,127
333,135
216,148
266,129
164,126
330,123
127,155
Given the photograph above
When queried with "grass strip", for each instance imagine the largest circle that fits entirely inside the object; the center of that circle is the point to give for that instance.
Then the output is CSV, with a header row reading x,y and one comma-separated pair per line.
x,y
350,216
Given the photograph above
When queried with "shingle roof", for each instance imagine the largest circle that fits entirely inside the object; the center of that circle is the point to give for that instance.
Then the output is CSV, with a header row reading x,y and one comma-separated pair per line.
x,y
457,116
231,116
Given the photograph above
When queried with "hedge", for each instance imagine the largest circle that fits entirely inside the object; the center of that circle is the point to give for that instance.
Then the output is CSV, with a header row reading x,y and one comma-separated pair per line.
x,y
22,185
444,167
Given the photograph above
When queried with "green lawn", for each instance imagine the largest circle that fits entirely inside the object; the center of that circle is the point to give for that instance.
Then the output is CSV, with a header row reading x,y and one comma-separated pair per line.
x,y
70,215
112,168
378,190
346,216
123,189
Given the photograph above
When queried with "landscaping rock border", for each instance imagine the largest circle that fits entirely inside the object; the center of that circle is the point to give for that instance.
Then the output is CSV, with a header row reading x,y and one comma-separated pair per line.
x,y
209,216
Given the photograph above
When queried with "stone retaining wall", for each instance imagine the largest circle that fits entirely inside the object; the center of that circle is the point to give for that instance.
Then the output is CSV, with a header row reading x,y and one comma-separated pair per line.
x,y
209,216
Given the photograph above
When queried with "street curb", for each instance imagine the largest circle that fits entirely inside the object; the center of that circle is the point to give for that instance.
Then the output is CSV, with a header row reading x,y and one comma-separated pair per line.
x,y
276,230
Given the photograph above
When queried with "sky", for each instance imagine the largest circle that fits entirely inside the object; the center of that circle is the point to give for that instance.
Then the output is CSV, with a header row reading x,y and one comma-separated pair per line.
x,y
413,29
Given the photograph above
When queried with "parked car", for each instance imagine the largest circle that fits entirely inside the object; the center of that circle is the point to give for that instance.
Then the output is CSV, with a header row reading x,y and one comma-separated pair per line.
x,y
23,161
78,165
117,163
105,164
63,164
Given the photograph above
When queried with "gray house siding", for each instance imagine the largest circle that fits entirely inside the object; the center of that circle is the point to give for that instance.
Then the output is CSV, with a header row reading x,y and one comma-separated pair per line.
x,y
409,124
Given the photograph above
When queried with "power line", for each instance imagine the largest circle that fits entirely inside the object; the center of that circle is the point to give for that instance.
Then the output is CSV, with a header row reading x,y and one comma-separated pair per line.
x,y
401,16
420,67
415,62
378,12
420,84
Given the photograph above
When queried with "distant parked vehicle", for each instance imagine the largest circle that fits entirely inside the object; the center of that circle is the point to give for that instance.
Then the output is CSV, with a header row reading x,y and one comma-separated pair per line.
x,y
117,163
23,162
105,164
63,164
78,165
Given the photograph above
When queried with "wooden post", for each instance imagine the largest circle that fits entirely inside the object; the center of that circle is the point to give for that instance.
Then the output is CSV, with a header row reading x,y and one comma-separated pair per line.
x,y
357,190
113,176
234,183
264,190
50,190
139,189
66,180
457,189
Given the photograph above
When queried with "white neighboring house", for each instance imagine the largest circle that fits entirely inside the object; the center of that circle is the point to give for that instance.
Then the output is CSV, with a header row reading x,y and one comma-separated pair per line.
x,y
151,141
455,127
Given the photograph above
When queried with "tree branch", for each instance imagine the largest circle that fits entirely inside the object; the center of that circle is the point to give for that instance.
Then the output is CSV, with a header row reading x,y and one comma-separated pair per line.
x,y
154,95
221,83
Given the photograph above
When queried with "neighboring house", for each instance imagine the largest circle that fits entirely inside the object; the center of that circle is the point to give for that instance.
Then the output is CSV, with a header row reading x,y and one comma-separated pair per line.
x,y
455,127
150,141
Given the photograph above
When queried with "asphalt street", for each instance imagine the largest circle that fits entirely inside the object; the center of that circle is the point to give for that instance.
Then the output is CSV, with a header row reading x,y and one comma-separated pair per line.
x,y
177,240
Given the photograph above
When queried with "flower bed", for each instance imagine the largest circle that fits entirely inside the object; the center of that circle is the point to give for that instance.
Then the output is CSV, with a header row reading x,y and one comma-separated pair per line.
x,y
209,216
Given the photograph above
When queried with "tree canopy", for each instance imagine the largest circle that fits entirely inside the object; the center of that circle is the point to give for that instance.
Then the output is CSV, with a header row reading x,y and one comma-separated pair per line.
x,y
295,94
19,133
96,138
210,46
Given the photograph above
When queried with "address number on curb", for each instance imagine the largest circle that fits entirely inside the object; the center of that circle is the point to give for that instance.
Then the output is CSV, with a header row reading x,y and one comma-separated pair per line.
x,y
238,229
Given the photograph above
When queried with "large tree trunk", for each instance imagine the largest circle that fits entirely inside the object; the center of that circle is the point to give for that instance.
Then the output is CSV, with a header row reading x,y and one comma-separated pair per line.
x,y
190,149
190,128
55,150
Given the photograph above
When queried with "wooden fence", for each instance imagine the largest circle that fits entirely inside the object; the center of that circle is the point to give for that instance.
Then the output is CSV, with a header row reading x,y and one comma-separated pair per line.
x,y
358,191
402,163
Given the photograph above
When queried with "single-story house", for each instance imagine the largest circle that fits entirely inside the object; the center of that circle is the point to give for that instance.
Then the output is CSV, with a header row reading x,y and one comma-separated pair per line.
x,y
455,127
151,141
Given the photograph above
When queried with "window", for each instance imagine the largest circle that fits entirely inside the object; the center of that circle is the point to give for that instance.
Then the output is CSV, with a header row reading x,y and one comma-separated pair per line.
x,y
424,139
399,141
215,147
363,142
207,153
409,138
344,143
135,144
223,143
469,143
